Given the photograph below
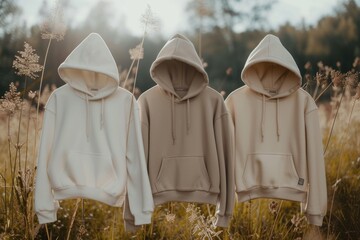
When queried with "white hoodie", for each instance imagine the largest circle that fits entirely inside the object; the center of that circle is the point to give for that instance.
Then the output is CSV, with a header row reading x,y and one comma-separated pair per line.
x,y
85,151
279,150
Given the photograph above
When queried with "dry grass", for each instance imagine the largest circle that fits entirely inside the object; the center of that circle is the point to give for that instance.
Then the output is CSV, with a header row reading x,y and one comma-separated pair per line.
x,y
257,219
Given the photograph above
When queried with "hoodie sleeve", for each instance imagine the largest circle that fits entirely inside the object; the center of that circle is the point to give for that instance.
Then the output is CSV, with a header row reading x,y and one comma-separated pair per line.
x,y
317,195
45,205
140,201
225,149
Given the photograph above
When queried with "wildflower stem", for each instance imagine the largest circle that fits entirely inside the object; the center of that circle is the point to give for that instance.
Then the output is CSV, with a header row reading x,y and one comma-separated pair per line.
x,y
333,123
17,155
316,89
276,219
38,102
305,86
19,125
113,224
134,85
5,200
73,218
27,135
323,91
249,216
5,182
200,37
287,233
47,232
128,74
82,212
339,165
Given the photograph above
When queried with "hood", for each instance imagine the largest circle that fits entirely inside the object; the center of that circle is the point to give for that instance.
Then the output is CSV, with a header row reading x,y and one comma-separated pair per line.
x,y
271,70
91,69
178,69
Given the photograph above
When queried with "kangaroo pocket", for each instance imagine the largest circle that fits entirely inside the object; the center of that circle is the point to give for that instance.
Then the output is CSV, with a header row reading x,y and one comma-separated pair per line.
x,y
270,170
89,169
183,173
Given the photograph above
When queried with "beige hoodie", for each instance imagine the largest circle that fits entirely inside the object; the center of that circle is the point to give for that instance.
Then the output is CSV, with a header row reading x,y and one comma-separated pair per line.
x,y
279,151
187,132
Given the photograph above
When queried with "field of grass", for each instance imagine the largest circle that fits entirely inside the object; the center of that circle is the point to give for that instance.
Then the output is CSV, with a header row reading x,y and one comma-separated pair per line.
x,y
257,219
20,127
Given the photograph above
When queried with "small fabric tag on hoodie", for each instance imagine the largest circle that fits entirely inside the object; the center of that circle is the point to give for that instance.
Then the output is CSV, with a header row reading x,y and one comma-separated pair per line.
x,y
180,89
273,92
301,181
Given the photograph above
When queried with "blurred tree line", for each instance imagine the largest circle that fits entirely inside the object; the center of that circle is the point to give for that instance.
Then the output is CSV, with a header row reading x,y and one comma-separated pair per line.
x,y
334,39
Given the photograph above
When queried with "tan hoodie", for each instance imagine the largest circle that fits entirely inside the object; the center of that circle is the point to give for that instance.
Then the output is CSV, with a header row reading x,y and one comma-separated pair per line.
x,y
279,151
187,132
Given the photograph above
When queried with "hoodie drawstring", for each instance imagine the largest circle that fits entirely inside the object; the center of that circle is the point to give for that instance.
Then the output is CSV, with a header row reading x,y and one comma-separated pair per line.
x,y
87,117
188,115
173,118
102,114
263,113
277,120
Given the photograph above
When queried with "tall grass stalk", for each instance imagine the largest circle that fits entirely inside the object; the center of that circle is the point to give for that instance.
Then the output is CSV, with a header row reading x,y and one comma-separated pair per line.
x,y
338,104
10,163
148,20
17,157
339,166
73,218
18,145
128,74
323,91
276,219
39,98
27,134
316,89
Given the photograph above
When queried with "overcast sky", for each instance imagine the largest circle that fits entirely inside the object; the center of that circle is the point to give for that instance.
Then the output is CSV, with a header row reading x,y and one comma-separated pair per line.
x,y
172,13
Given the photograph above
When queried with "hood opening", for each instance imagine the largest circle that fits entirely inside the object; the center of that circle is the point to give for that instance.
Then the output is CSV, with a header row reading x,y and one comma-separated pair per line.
x,y
271,70
271,79
178,69
95,84
91,69
179,78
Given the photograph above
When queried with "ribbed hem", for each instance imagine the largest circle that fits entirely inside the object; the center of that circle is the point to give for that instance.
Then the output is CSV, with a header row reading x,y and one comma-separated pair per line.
x,y
315,219
185,196
90,193
46,216
280,193
222,221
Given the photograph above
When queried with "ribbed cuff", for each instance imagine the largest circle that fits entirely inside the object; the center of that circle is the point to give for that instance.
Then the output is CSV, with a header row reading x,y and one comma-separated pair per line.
x,y
143,218
131,226
222,221
46,216
315,219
